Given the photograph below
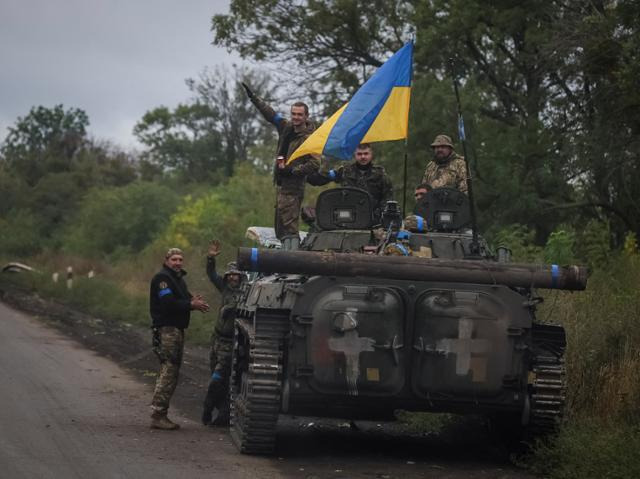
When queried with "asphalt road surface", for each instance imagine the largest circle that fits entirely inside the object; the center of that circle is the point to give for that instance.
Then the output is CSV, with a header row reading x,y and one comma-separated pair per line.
x,y
67,412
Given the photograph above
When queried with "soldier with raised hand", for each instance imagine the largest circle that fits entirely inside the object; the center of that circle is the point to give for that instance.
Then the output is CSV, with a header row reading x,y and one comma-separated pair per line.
x,y
363,174
289,178
170,306
447,169
229,285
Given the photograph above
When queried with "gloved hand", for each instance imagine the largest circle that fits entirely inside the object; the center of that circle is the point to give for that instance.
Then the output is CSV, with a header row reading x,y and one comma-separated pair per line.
x,y
250,93
286,171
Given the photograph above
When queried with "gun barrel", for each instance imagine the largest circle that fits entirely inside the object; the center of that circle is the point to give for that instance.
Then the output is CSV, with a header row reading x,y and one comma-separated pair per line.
x,y
412,268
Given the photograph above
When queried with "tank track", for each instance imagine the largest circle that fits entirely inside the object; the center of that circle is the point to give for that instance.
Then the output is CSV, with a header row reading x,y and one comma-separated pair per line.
x,y
256,383
548,385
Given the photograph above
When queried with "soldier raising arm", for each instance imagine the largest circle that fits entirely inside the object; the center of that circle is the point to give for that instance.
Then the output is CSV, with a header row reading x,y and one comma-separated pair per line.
x,y
229,286
291,178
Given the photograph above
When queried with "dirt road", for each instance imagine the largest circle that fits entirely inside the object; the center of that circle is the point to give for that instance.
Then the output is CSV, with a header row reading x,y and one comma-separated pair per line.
x,y
68,412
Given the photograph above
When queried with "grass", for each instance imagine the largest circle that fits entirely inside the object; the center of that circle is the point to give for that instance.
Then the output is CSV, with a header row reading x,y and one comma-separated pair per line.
x,y
601,437
119,293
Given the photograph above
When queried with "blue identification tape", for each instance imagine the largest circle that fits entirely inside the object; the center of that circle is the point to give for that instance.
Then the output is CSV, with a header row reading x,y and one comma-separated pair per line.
x,y
164,292
332,174
555,273
420,223
254,258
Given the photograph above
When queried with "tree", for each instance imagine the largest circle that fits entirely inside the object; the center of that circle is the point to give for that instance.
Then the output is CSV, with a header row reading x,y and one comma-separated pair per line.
x,y
549,89
337,42
597,45
204,139
144,209
44,141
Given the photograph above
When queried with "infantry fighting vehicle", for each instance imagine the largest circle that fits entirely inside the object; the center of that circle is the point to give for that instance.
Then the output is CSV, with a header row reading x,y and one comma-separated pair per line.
x,y
362,321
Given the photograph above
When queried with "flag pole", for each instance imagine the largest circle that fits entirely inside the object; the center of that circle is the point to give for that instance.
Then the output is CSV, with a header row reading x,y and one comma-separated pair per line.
x,y
404,182
475,244
406,145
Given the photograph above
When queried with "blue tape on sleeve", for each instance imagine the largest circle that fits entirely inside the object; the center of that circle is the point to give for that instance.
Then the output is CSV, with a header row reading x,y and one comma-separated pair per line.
x,y
216,376
164,292
555,273
332,174
277,118
254,258
420,223
404,250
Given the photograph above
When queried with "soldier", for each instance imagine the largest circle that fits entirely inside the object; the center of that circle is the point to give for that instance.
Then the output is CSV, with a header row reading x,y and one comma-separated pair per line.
x,y
229,286
421,190
363,174
447,169
170,305
291,178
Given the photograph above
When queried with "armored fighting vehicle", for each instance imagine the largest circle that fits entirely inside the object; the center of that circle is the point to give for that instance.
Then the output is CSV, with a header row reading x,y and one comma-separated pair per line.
x,y
364,320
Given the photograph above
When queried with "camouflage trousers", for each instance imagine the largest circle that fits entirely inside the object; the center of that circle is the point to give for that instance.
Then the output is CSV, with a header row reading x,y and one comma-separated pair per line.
x,y
220,357
287,214
168,345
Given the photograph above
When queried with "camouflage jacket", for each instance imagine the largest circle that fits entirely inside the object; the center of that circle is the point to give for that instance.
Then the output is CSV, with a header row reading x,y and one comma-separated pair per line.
x,y
451,173
290,180
230,298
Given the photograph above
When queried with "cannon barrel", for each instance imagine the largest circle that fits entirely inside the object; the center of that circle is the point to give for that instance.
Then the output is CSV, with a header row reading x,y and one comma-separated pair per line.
x,y
412,268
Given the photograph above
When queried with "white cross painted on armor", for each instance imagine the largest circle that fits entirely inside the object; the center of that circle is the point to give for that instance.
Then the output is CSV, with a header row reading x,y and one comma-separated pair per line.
x,y
351,345
463,346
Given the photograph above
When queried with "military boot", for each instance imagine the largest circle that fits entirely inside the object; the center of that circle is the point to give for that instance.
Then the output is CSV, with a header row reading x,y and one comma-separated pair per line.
x,y
209,404
161,421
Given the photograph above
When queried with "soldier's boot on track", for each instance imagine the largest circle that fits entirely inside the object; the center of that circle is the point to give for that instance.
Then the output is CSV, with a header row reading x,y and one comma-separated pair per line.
x,y
161,421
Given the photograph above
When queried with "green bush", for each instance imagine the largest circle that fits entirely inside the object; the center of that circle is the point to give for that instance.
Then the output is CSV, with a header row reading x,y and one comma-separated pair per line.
x,y
120,220
20,234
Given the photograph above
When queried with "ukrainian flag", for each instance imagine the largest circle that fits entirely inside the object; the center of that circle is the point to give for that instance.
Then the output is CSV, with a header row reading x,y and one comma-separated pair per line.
x,y
379,111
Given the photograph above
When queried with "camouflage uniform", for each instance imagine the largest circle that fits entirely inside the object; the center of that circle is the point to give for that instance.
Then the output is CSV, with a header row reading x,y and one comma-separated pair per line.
x,y
221,346
451,173
168,345
291,179
170,309
370,178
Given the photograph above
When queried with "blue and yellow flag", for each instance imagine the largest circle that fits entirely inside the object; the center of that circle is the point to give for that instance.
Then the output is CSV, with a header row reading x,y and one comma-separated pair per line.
x,y
379,111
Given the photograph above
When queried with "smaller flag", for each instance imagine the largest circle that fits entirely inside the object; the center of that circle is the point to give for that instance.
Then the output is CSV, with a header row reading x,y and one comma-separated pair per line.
x,y
461,128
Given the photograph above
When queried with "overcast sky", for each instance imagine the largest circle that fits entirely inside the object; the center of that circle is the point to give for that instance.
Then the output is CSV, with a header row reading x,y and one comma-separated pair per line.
x,y
114,59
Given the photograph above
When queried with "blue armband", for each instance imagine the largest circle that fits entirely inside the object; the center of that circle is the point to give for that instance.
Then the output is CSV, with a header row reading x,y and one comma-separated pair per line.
x,y
332,174
277,119
164,292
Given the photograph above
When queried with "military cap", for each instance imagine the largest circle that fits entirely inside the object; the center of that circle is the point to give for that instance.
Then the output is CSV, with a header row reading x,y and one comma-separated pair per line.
x,y
232,268
171,251
442,140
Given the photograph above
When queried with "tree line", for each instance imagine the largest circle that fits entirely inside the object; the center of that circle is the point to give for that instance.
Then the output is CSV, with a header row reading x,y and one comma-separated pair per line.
x,y
549,92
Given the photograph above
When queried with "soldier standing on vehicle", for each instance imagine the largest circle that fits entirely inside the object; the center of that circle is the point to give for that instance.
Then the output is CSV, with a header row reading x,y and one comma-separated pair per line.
x,y
170,305
229,287
447,169
289,178
363,174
